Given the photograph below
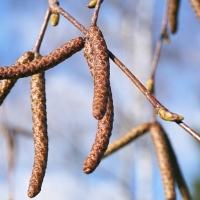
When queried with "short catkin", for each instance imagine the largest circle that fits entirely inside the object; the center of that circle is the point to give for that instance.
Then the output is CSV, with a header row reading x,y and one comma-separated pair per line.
x,y
44,63
173,15
104,125
196,6
98,56
38,104
7,85
164,161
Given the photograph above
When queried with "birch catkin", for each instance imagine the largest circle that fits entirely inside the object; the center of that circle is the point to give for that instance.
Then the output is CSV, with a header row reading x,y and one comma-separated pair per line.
x,y
38,100
164,161
104,125
7,85
173,15
196,6
99,57
102,139
44,63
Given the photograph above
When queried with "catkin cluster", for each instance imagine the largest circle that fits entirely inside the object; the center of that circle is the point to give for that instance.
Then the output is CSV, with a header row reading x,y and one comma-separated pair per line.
x,y
96,54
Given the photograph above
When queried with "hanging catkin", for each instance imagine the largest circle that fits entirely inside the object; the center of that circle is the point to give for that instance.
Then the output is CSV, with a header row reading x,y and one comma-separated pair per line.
x,y
104,125
44,63
98,55
7,85
196,6
173,15
38,104
164,162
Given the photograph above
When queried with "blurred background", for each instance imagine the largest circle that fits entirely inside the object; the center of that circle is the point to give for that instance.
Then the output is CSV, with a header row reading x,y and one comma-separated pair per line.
x,y
131,30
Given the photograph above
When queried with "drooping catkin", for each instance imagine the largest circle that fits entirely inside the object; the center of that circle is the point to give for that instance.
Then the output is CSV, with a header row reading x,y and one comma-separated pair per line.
x,y
44,63
38,104
127,138
104,125
177,171
7,85
173,15
164,161
98,55
196,6
102,138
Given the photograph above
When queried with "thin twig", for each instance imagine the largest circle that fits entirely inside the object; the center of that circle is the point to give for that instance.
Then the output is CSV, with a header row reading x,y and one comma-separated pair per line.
x,y
96,13
36,48
189,130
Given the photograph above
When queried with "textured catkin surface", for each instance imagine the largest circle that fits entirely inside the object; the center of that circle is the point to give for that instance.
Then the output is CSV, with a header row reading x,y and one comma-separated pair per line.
x,y
164,161
173,15
96,54
196,6
104,125
38,105
44,63
101,142
7,85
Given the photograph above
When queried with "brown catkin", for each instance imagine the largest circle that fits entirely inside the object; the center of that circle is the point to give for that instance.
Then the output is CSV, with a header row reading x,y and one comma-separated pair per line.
x,y
104,125
38,105
97,56
177,171
196,6
173,15
102,138
127,138
7,85
164,161
44,63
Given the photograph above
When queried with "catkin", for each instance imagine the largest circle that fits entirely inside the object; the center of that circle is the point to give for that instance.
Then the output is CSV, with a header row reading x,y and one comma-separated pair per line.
x,y
104,125
38,105
7,85
164,161
173,14
126,138
98,56
41,64
102,139
196,6
177,171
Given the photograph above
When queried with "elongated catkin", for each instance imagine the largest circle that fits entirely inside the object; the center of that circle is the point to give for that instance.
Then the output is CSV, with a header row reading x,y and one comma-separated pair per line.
x,y
101,142
196,6
38,104
44,63
104,125
164,161
98,56
173,15
7,85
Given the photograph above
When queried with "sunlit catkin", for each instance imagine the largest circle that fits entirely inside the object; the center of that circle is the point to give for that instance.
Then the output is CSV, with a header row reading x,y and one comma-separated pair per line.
x,y
7,85
196,6
92,3
98,54
55,18
38,104
104,125
102,139
164,161
44,63
173,15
